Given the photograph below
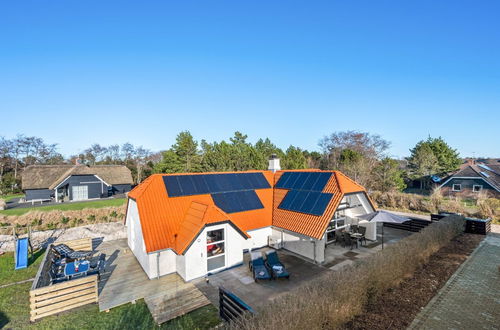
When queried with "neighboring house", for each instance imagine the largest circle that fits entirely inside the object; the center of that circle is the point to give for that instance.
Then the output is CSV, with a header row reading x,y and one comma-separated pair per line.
x,y
74,182
200,223
473,178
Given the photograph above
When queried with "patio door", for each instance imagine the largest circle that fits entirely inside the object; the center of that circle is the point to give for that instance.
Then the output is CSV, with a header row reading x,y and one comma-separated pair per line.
x,y
80,193
216,249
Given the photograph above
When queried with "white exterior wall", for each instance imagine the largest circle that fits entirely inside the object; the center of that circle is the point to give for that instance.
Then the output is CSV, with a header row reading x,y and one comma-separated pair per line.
x,y
194,261
134,237
364,208
136,244
302,245
259,238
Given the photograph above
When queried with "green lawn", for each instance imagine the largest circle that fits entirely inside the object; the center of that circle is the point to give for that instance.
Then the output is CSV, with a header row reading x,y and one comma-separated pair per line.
x,y
14,308
68,206
9,275
8,197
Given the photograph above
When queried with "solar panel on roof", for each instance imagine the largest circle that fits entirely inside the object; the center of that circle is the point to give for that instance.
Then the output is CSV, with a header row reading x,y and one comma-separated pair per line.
x,y
310,202
315,181
199,184
237,201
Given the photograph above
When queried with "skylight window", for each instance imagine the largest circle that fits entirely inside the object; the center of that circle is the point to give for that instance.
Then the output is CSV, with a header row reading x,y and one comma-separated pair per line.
x,y
485,174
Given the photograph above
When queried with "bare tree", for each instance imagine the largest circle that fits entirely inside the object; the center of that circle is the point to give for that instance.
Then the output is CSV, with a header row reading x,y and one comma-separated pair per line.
x,y
355,153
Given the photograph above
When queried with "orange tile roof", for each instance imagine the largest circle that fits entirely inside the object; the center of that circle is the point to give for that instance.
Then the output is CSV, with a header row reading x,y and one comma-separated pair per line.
x,y
174,222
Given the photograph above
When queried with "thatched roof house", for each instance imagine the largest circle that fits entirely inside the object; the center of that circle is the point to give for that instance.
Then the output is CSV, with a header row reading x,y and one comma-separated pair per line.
x,y
75,181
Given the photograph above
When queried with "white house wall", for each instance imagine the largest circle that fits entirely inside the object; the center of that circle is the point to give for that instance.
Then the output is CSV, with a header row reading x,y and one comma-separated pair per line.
x,y
194,263
259,238
364,207
134,237
302,245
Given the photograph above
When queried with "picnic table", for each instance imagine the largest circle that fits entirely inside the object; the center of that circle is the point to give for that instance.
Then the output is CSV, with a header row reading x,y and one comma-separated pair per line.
x,y
70,269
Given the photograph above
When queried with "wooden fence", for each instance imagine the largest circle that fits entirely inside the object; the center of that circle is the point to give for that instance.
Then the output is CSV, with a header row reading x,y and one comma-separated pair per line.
x,y
48,299
230,306
477,226
414,225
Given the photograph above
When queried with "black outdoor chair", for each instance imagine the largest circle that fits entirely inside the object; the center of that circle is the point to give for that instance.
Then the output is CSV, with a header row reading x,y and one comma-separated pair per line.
x,y
362,231
354,228
347,240
55,274
339,237
97,266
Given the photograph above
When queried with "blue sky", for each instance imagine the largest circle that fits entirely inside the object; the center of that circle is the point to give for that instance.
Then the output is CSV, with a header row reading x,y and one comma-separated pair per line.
x,y
81,72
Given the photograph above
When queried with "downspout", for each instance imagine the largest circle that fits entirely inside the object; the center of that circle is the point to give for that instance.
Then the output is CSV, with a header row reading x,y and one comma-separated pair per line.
x,y
314,244
158,264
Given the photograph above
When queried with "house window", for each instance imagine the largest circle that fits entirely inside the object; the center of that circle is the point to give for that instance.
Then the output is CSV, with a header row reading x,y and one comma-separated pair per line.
x,y
456,187
216,256
477,188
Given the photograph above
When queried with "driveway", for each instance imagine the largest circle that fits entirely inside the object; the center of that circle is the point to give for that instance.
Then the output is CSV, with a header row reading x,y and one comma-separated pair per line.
x,y
471,297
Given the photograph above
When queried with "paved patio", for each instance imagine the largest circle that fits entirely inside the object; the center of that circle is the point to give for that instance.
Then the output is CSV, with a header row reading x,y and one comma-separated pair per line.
x,y
471,297
337,256
239,279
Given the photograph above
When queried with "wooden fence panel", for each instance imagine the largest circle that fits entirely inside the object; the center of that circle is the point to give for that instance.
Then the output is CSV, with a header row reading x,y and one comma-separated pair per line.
x,y
83,244
414,225
63,296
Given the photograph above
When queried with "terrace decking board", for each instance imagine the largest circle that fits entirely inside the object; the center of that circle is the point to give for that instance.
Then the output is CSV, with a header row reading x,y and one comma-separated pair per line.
x,y
125,281
164,307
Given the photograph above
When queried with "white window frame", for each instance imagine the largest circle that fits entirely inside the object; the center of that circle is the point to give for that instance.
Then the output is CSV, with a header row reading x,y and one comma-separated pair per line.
x,y
456,184
477,185
217,255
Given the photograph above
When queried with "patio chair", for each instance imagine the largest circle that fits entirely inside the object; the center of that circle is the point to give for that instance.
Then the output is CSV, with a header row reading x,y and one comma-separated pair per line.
x,y
354,228
97,266
274,264
347,240
258,267
362,231
55,274
339,237
65,252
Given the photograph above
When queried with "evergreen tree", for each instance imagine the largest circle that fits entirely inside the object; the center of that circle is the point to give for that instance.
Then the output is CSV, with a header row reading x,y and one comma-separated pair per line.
x,y
388,176
294,159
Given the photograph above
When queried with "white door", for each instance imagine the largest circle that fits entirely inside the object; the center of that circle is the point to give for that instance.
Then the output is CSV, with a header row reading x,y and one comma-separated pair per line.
x,y
80,193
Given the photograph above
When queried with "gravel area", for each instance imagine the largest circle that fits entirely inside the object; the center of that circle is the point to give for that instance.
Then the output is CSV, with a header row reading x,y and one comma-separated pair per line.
x,y
107,231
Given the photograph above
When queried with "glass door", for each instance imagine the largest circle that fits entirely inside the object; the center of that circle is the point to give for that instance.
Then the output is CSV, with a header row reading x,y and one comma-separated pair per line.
x,y
216,249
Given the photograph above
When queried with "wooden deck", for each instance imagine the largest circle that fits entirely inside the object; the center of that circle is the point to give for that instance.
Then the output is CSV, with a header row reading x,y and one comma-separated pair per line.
x,y
125,281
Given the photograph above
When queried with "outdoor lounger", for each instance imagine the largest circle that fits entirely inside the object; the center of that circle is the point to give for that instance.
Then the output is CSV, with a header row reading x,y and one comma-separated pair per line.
x,y
258,267
64,251
277,268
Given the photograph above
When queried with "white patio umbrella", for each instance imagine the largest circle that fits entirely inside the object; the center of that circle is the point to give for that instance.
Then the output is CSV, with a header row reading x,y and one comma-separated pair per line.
x,y
383,216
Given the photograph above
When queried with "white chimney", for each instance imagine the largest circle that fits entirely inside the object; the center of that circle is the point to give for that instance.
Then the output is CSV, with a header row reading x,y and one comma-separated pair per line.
x,y
274,163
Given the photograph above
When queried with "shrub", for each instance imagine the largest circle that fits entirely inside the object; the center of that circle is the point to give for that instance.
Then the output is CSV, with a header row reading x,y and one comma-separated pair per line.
x,y
65,220
334,298
91,218
489,208
51,226
36,222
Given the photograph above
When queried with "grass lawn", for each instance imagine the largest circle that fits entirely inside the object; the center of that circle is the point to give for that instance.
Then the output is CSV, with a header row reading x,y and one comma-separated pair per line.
x,y
8,197
68,206
15,311
9,275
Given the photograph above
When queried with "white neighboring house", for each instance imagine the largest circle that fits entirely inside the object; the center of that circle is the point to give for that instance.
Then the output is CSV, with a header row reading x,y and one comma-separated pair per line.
x,y
200,223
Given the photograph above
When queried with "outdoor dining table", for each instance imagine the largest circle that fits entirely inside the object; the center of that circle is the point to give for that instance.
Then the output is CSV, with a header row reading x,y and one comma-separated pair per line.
x,y
357,237
70,269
